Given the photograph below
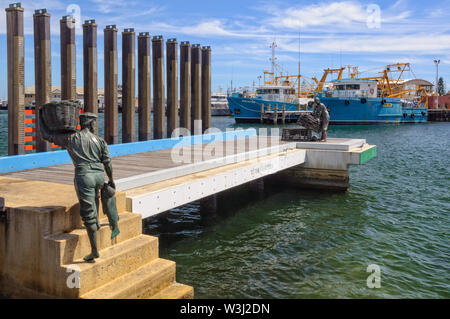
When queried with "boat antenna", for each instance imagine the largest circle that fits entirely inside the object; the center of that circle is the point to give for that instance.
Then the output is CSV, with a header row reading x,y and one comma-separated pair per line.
x,y
273,46
299,74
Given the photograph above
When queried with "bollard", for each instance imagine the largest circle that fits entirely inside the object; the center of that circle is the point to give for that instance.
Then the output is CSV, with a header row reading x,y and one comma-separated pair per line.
x,y
144,95
42,69
185,85
16,80
128,86
2,210
206,88
158,87
111,124
68,58
90,85
261,116
275,121
172,85
196,86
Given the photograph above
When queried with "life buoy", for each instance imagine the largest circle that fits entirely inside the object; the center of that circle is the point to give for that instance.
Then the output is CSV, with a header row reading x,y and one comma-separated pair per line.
x,y
371,91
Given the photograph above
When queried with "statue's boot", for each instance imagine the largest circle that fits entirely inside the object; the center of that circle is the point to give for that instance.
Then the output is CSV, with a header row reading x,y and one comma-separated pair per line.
x,y
97,205
115,229
92,234
324,136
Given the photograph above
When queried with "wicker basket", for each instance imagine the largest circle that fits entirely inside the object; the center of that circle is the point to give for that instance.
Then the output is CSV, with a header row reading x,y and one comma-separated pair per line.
x,y
296,134
310,122
61,116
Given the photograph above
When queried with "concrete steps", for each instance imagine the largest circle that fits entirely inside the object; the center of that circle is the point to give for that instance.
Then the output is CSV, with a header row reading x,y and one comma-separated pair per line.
x,y
114,262
121,202
128,266
175,291
75,245
140,283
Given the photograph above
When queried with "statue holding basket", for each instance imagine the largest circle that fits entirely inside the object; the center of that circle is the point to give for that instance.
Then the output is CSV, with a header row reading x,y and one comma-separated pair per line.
x,y
90,155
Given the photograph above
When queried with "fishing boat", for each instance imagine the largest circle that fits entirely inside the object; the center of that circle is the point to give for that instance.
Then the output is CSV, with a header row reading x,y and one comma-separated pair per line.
x,y
355,100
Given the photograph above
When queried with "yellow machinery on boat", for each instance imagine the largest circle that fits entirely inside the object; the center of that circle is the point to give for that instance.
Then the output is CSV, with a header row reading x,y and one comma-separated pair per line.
x,y
390,86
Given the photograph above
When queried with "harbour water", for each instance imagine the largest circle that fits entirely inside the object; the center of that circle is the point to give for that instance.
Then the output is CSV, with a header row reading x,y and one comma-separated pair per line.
x,y
317,244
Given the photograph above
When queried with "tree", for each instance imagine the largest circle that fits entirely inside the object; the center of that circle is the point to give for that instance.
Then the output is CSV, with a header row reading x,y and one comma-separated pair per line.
x,y
441,86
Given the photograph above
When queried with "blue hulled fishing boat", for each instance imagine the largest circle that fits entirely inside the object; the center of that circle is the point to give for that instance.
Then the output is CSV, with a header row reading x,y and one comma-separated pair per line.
x,y
373,100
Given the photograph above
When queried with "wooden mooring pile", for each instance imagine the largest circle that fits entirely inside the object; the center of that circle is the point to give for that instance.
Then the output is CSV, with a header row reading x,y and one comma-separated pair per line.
x,y
276,114
193,71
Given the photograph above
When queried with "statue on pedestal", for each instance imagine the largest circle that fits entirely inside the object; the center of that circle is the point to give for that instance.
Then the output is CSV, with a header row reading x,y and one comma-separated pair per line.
x,y
90,156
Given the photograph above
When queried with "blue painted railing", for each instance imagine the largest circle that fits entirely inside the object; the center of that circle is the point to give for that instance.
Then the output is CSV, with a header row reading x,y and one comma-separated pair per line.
x,y
36,160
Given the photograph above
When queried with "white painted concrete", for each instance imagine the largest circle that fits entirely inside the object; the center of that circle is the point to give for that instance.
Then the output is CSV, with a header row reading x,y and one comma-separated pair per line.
x,y
336,144
153,202
174,172
333,159
154,193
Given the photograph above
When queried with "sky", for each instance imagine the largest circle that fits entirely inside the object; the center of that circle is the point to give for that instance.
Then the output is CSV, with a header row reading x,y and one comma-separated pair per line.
x,y
322,34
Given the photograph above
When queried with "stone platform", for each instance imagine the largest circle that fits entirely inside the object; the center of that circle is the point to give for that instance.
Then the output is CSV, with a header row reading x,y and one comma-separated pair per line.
x,y
333,144
43,244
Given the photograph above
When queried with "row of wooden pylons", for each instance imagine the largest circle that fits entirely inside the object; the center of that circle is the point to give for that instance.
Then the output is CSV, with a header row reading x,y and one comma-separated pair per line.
x,y
194,73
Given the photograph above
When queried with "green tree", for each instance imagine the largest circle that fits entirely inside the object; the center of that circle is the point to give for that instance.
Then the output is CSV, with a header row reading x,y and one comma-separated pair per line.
x,y
441,86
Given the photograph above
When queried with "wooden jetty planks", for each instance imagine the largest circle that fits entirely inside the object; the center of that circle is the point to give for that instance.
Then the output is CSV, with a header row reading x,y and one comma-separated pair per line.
x,y
141,163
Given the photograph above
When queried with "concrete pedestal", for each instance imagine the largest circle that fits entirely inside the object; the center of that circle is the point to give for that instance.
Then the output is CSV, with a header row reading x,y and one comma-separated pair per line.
x,y
43,243
326,165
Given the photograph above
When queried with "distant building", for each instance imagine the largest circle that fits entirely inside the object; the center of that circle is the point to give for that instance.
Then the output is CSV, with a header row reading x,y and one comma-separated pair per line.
x,y
56,95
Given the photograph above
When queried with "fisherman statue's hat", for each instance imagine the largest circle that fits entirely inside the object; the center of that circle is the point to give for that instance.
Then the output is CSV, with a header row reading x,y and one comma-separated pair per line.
x,y
88,115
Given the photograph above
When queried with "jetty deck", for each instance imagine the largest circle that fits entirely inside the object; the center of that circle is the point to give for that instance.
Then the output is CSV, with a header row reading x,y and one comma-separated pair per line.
x,y
133,165
176,176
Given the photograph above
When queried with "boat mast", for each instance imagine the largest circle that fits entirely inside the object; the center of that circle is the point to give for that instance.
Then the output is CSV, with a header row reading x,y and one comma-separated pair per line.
x,y
299,76
273,46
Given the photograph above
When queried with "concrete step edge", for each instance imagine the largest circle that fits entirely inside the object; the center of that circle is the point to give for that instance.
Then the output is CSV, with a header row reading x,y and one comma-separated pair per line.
x,y
82,231
114,262
116,250
175,291
157,275
75,244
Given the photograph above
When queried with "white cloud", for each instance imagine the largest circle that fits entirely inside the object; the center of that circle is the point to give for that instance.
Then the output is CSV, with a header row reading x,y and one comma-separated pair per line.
x,y
107,6
417,43
210,28
344,12
337,16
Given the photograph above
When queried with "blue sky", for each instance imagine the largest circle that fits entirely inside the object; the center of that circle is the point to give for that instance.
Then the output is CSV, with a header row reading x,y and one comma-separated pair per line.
x,y
368,34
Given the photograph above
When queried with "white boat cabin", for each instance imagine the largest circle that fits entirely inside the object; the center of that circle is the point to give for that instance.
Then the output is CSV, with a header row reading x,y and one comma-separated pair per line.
x,y
219,97
275,93
348,88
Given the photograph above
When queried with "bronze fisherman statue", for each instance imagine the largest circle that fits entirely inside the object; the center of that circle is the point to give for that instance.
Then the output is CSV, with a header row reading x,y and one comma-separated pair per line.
x,y
320,112
90,156
317,121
